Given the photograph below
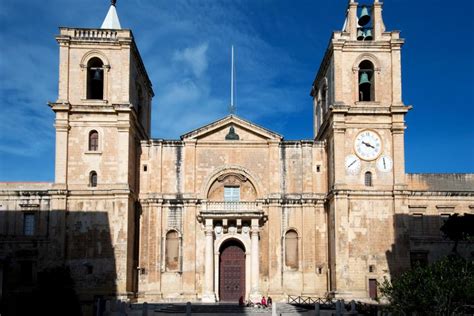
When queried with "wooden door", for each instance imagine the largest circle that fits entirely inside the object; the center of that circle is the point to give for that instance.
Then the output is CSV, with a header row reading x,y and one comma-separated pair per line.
x,y
232,273
373,288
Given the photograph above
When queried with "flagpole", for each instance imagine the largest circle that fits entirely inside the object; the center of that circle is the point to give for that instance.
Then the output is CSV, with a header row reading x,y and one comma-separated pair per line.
x,y
232,82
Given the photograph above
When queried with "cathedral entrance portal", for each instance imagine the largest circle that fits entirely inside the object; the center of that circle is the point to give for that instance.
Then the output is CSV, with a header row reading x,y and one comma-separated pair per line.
x,y
231,271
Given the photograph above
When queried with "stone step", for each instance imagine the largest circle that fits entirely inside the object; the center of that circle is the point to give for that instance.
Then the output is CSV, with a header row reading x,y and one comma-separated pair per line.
x,y
220,309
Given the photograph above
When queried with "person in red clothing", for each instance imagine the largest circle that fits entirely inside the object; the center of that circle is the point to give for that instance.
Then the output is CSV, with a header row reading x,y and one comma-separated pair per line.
x,y
263,302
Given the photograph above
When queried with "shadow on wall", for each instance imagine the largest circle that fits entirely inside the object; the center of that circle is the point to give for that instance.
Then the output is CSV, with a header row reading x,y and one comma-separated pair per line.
x,y
51,260
419,240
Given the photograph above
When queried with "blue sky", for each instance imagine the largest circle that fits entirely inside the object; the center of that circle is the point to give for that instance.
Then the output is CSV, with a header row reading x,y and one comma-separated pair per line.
x,y
279,44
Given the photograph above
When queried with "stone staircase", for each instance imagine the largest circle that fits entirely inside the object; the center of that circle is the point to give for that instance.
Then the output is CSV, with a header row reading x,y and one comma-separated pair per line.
x,y
201,309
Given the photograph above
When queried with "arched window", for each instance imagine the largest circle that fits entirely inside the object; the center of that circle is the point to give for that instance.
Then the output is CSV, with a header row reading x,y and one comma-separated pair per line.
x,y
324,99
366,81
368,179
93,179
95,79
93,141
291,249
318,116
172,250
139,102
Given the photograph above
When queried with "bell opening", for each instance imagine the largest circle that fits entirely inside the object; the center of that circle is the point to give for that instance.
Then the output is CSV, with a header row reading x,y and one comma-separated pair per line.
x,y
366,86
364,24
95,79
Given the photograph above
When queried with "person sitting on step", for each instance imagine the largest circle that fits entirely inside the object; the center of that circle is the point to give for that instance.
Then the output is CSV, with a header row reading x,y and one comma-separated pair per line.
x,y
269,301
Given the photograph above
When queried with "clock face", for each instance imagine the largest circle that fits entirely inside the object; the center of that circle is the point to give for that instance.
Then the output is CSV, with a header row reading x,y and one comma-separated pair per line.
x,y
352,164
368,145
384,163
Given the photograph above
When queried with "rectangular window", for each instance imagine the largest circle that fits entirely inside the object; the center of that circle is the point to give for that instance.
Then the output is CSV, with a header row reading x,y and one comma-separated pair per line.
x,y
418,258
416,225
231,194
28,224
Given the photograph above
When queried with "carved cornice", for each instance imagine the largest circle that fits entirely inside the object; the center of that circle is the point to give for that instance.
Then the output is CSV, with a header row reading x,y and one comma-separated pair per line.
x,y
225,176
440,193
59,106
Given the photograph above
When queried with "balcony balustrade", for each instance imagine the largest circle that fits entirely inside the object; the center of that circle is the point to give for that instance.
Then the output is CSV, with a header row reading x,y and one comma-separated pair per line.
x,y
231,207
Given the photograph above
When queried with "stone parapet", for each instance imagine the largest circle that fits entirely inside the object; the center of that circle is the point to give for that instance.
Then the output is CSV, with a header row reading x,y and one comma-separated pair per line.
x,y
87,34
440,181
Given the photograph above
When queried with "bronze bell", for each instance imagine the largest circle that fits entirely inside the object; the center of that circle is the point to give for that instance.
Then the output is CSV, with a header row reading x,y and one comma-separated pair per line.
x,y
368,35
360,35
364,79
97,74
364,16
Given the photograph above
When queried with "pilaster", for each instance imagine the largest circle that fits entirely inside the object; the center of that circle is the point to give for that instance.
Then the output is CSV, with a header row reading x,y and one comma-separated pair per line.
x,y
62,138
255,289
379,26
275,250
352,19
208,295
189,250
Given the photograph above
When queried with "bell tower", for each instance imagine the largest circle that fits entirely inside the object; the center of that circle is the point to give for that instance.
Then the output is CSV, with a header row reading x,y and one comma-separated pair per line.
x,y
103,107
102,113
359,112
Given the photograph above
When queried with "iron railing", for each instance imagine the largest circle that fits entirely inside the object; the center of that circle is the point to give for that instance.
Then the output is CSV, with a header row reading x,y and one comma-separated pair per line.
x,y
308,300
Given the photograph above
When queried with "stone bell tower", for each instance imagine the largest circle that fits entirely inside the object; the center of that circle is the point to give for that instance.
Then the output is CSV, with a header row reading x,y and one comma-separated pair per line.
x,y
359,112
102,113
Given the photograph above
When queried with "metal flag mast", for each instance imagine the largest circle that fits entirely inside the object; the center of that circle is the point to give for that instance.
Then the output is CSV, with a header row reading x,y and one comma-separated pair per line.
x,y
232,75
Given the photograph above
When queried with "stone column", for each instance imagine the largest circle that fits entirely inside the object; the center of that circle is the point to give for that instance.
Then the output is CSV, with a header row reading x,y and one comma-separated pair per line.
x,y
255,291
208,295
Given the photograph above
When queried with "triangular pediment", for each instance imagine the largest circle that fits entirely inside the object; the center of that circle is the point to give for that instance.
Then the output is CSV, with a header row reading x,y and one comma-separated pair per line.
x,y
229,126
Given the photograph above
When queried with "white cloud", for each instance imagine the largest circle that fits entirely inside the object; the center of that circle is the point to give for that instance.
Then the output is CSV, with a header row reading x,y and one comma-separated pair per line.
x,y
195,57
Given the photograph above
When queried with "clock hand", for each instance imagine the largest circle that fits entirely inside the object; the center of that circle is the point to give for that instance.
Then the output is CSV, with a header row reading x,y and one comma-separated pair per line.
x,y
367,144
384,166
352,163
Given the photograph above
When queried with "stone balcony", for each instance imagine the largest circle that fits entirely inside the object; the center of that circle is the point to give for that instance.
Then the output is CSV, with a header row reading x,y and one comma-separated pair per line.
x,y
231,210
231,206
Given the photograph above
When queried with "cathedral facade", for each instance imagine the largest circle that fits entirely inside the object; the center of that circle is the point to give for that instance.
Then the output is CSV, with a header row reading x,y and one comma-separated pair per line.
x,y
230,209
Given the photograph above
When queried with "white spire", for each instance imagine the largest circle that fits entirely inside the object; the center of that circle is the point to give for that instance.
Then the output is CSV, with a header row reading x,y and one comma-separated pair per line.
x,y
111,20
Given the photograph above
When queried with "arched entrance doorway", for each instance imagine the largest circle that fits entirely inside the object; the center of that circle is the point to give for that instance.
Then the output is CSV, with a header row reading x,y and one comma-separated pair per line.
x,y
231,271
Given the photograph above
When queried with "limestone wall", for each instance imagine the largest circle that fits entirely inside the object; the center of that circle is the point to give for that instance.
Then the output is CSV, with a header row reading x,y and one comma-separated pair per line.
x,y
427,212
289,180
